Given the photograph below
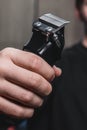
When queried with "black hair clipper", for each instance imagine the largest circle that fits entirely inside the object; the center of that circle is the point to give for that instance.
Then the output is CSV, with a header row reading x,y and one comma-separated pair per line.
x,y
48,42
48,38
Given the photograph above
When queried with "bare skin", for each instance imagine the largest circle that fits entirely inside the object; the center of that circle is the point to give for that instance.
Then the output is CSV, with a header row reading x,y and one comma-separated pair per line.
x,y
24,80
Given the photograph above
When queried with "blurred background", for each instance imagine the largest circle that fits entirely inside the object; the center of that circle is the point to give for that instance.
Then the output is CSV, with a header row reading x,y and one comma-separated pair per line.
x,y
16,17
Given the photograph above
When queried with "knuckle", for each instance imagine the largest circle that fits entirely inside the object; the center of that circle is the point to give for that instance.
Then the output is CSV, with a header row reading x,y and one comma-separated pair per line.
x,y
36,62
28,98
5,67
6,51
37,80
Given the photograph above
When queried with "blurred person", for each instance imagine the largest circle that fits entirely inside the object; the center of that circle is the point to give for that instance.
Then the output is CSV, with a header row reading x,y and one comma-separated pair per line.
x,y
66,107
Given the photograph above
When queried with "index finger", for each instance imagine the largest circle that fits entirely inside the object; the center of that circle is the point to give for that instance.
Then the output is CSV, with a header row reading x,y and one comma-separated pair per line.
x,y
33,62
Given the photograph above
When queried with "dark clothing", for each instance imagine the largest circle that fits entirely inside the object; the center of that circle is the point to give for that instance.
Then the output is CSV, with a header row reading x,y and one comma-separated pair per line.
x,y
66,107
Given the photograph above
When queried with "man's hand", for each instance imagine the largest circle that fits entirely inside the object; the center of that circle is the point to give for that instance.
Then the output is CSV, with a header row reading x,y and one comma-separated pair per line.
x,y
24,81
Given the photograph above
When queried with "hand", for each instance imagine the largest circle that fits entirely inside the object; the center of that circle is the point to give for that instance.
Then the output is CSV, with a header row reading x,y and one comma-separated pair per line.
x,y
24,80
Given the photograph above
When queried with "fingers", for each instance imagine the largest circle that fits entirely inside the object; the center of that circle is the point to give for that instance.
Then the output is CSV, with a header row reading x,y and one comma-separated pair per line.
x,y
24,78
29,80
33,62
15,110
19,94
57,70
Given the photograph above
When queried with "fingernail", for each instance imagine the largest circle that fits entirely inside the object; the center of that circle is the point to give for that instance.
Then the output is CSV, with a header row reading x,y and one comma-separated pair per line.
x,y
57,70
53,78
